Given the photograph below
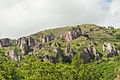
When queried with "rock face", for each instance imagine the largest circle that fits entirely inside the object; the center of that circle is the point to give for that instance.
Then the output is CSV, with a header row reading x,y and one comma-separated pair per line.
x,y
5,42
69,51
56,44
31,41
73,34
57,50
117,78
50,59
53,59
38,46
13,55
89,54
47,38
25,43
112,51
46,58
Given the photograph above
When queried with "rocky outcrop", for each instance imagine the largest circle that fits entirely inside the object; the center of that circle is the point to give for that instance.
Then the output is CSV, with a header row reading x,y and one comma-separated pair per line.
x,y
107,46
31,42
53,59
46,58
38,46
57,50
73,34
69,51
13,55
5,42
117,78
56,44
89,54
50,59
47,38
25,43
112,51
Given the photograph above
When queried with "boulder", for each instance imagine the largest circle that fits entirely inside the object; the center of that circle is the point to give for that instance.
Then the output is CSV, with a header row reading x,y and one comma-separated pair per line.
x,y
112,51
5,42
73,34
89,54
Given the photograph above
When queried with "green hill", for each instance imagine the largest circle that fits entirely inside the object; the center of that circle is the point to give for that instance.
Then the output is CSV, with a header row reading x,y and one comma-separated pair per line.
x,y
82,52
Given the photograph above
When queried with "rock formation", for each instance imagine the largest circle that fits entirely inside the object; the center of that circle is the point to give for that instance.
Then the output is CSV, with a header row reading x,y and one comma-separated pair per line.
x,y
53,59
38,46
47,38
46,58
73,34
23,44
56,44
112,51
5,42
69,51
50,59
89,54
13,55
31,42
57,50
117,78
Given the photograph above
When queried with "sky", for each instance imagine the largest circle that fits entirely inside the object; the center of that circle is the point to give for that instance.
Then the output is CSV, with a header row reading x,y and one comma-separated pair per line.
x,y
24,17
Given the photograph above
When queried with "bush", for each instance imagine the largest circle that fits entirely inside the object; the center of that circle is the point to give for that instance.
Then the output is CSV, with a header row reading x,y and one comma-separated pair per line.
x,y
118,36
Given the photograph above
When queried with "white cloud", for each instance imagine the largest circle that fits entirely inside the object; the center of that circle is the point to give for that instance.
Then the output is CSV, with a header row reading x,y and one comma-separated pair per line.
x,y
23,17
113,14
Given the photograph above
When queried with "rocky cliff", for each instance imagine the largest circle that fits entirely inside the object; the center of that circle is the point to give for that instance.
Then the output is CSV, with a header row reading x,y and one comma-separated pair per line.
x,y
92,42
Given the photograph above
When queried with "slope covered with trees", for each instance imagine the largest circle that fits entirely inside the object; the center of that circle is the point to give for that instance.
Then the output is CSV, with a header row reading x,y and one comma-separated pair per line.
x,y
82,52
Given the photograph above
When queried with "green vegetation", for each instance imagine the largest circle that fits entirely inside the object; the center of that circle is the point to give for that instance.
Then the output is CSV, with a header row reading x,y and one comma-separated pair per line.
x,y
32,68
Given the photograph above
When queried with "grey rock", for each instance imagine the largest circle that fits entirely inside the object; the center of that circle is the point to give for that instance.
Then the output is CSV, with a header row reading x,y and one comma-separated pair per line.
x,y
50,59
112,51
89,54
38,46
13,55
56,44
23,44
57,50
47,38
5,42
69,51
73,34
31,42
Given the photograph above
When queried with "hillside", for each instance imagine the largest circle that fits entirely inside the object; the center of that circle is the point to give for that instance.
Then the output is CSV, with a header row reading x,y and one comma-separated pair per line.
x,y
82,52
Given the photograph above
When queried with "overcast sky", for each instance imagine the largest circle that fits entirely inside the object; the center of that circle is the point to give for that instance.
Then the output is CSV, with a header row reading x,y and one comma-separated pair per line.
x,y
23,17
